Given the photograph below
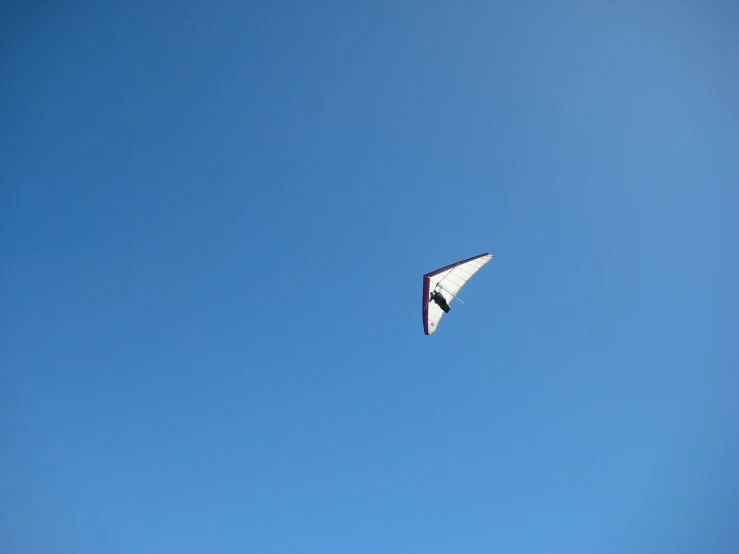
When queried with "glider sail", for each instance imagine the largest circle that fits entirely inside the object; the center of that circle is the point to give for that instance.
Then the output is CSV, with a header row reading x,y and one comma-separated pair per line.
x,y
447,281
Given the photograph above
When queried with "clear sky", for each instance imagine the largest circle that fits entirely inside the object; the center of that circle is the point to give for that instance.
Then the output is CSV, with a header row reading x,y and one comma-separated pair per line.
x,y
215,222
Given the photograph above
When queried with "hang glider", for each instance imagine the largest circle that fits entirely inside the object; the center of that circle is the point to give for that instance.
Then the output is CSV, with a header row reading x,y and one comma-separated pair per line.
x,y
440,287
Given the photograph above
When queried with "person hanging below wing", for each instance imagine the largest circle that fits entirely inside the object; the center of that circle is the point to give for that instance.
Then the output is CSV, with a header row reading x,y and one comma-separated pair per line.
x,y
437,297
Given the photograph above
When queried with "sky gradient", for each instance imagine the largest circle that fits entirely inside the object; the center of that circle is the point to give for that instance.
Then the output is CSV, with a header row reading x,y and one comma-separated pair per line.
x,y
215,222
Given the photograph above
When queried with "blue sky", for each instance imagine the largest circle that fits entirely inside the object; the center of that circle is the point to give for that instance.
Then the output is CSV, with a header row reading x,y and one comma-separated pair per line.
x,y
215,222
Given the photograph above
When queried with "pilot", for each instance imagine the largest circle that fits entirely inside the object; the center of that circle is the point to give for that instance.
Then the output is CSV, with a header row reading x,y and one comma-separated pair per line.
x,y
440,301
